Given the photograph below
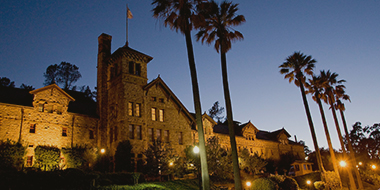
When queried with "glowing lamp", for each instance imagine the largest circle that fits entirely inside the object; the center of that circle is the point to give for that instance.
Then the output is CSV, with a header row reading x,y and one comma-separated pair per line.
x,y
102,150
196,149
308,182
373,166
248,184
342,163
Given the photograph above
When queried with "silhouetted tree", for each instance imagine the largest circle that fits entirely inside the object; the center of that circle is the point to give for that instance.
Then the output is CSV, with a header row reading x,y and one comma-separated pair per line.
x,y
65,73
180,15
6,82
294,68
218,29
123,156
215,111
27,87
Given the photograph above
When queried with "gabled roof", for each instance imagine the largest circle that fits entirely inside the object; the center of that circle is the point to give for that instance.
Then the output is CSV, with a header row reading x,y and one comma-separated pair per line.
x,y
129,52
247,127
208,118
159,82
50,87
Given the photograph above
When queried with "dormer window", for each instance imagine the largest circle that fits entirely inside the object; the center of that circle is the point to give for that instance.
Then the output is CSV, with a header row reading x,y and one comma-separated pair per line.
x,y
59,110
41,107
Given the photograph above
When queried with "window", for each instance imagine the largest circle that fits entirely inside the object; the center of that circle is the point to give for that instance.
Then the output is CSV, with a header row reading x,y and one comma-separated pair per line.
x,y
131,67
153,99
49,109
158,134
251,150
131,132
297,167
59,110
150,134
138,132
91,134
40,107
138,69
161,115
154,114
161,100
180,140
32,128
64,132
137,109
308,167
304,167
130,108
29,161
166,135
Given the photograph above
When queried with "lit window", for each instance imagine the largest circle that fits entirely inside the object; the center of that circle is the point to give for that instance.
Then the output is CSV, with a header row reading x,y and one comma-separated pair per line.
x,y
161,115
29,161
64,131
137,109
180,140
166,135
32,128
130,108
154,114
131,132
138,132
151,135
158,134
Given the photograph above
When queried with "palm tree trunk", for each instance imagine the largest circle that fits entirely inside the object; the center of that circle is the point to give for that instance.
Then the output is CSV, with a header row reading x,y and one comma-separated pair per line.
x,y
331,149
352,152
198,112
311,125
349,171
227,98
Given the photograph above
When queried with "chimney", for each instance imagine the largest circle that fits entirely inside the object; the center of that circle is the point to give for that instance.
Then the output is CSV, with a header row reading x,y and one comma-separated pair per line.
x,y
295,138
104,41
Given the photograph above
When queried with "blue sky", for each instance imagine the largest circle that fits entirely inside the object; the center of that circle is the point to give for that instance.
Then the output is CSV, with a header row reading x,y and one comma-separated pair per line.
x,y
342,36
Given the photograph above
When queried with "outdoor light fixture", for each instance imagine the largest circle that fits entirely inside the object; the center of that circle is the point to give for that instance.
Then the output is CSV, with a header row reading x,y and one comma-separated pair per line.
x,y
373,166
342,163
196,149
308,182
248,184
171,164
360,163
102,150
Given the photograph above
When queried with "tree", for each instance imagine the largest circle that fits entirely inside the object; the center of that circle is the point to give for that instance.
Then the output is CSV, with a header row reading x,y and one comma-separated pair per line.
x,y
332,89
26,87
219,160
6,82
215,111
64,73
181,16
11,155
218,29
47,157
251,163
157,157
316,88
123,156
294,68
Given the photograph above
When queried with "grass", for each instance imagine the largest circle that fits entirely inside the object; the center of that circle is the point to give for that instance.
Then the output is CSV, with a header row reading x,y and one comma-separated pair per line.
x,y
179,184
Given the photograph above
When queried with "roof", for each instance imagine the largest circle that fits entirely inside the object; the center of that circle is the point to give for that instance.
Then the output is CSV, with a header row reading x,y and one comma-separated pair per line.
x,y
82,104
126,51
160,82
52,86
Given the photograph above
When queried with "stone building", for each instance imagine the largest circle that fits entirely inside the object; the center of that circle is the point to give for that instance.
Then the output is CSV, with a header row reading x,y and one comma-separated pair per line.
x,y
128,107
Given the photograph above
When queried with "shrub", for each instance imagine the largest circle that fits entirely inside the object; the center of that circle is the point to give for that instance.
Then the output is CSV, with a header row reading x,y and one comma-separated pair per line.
x,y
11,155
331,180
370,177
264,184
74,157
289,184
277,178
47,157
319,185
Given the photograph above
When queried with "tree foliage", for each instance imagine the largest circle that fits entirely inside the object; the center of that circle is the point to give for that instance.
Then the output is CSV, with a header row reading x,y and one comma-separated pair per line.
x,y
76,157
366,141
6,82
65,74
157,156
123,157
47,157
11,155
251,163
215,112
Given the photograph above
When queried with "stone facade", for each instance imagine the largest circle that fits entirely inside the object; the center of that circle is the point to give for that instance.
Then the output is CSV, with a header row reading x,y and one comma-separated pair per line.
x,y
127,108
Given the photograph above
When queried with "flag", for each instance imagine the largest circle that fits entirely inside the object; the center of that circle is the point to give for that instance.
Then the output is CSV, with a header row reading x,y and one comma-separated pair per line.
x,y
129,14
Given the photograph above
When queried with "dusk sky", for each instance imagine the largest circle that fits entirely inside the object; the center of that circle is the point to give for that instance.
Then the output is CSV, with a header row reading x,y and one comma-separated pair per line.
x,y
342,36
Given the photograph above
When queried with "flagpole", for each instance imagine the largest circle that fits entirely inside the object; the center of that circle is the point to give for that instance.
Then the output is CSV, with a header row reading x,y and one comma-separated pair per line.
x,y
126,30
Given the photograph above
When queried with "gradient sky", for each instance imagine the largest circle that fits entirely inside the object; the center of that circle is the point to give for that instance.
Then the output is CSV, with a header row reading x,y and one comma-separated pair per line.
x,y
342,36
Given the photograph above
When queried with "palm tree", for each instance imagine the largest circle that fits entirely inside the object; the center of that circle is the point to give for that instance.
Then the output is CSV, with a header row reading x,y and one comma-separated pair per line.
x,y
180,15
340,106
218,28
294,68
315,87
332,90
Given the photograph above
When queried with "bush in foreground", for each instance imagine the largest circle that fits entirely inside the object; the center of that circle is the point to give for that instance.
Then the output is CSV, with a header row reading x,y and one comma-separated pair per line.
x,y
264,184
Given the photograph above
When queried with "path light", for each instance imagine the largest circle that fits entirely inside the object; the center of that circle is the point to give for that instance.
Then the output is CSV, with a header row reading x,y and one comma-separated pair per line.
x,y
102,150
171,164
360,163
308,182
248,184
342,163
196,149
373,166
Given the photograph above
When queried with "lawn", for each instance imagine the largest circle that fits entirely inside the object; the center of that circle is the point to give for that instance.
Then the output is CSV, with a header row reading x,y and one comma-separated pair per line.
x,y
179,184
